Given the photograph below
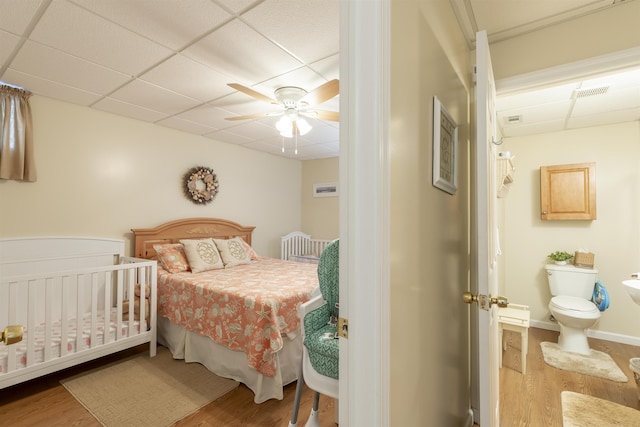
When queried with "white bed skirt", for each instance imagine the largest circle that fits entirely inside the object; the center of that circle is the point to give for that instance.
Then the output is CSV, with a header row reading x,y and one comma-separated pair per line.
x,y
232,364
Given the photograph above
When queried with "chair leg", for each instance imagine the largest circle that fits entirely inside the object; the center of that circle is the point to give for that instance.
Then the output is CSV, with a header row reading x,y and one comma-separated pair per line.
x,y
313,416
296,401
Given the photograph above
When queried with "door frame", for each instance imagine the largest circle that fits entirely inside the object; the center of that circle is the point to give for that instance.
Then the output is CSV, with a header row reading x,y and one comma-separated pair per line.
x,y
364,220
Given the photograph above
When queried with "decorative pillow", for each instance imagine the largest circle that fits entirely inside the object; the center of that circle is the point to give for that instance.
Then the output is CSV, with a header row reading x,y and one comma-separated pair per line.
x,y
248,249
172,257
202,254
232,252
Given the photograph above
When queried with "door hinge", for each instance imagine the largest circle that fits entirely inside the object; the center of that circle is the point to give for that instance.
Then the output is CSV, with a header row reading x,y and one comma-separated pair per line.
x,y
343,327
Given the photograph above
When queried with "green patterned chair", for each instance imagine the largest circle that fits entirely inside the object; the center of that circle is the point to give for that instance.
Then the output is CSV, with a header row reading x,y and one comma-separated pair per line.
x,y
320,354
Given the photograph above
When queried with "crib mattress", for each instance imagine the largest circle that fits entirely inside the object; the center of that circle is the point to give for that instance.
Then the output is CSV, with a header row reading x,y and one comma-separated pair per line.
x,y
56,339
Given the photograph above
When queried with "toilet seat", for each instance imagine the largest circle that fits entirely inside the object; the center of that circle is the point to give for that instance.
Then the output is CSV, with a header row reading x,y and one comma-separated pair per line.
x,y
574,306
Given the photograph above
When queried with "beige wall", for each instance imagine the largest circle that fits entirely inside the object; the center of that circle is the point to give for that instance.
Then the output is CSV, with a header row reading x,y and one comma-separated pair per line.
x,y
429,228
614,236
101,175
320,216
593,35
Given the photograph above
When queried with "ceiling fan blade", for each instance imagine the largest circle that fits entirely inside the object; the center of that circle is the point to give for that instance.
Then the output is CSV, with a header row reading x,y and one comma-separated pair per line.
x,y
331,116
247,117
252,93
323,93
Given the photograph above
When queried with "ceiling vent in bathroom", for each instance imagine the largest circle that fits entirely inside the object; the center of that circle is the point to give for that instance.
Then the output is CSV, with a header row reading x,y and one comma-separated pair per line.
x,y
592,91
513,119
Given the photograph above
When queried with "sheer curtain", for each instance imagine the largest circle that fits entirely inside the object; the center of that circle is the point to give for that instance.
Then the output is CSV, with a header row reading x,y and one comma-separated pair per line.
x,y
16,135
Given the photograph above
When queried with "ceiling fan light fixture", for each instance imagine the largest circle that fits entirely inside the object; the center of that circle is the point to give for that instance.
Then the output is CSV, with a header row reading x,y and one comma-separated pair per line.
x,y
303,126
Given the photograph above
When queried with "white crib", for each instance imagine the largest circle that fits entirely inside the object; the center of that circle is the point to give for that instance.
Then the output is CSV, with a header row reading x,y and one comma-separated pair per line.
x,y
77,298
299,244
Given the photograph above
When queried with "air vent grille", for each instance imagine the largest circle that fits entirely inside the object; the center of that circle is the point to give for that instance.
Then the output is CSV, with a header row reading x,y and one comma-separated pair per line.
x,y
593,91
512,120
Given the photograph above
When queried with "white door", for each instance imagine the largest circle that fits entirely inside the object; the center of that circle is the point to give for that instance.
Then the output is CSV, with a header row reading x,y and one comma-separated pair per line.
x,y
486,235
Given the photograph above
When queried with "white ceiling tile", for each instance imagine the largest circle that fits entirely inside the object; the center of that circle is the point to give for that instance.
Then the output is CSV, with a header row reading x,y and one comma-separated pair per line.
x,y
8,43
57,66
173,25
97,40
183,75
302,77
228,137
50,88
153,97
237,50
284,22
236,6
16,15
600,119
208,115
114,106
185,125
329,68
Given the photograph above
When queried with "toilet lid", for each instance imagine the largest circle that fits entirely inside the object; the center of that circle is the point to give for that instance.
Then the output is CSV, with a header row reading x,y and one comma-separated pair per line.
x,y
573,303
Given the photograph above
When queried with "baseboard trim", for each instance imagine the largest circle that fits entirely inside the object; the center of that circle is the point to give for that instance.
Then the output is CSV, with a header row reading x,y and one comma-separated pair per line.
x,y
601,335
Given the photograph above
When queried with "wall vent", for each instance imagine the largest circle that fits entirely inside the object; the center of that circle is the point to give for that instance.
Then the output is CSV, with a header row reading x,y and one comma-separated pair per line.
x,y
514,119
593,91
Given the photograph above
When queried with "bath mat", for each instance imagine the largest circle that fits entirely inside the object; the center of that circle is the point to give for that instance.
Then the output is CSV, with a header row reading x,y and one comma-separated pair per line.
x,y
596,364
579,410
143,391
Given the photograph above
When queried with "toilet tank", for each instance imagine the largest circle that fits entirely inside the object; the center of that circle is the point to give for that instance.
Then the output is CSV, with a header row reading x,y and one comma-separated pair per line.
x,y
571,281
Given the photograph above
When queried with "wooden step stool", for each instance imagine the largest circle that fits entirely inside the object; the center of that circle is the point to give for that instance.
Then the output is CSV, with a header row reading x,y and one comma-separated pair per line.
x,y
515,318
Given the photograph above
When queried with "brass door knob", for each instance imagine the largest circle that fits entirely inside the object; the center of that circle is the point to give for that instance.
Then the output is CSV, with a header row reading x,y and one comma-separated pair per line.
x,y
485,302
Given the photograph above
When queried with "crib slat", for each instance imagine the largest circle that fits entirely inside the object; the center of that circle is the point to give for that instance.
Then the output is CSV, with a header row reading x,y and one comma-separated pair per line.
x,y
13,296
119,299
142,280
64,316
107,306
94,311
31,321
81,282
48,309
131,294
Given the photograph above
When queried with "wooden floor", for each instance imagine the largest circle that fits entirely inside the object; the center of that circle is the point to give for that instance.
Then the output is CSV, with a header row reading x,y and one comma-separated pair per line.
x,y
44,402
530,400
534,399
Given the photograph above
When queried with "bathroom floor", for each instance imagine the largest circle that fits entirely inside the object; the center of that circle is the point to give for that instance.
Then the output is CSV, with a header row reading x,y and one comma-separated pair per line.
x,y
534,399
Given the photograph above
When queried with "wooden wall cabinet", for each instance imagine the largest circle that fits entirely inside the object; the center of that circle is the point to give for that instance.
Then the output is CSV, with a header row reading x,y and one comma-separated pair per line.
x,y
568,192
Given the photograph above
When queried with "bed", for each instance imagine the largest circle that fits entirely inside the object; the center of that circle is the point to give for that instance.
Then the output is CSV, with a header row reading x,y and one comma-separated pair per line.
x,y
76,298
240,321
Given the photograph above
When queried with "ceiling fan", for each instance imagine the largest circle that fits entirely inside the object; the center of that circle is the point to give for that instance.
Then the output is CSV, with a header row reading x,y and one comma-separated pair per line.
x,y
296,103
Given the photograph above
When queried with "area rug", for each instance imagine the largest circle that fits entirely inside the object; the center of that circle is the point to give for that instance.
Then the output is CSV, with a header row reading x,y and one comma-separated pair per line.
x,y
596,364
579,410
143,391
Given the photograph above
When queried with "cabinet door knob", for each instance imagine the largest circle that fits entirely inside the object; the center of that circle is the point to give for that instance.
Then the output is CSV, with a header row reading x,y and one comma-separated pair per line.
x,y
544,212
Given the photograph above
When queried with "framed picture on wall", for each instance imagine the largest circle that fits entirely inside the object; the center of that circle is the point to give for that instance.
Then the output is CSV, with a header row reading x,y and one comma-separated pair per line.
x,y
327,189
445,148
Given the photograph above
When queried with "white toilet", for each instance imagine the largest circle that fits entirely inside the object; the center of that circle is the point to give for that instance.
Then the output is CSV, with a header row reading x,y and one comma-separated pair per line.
x,y
571,305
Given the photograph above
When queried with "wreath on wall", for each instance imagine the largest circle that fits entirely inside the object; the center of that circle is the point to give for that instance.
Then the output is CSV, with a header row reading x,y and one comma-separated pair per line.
x,y
200,185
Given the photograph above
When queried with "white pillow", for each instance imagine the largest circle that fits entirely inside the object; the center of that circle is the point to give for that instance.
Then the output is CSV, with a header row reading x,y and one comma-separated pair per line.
x,y
232,252
202,255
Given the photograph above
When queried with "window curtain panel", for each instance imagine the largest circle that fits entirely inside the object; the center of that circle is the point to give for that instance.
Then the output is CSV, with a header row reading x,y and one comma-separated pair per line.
x,y
16,135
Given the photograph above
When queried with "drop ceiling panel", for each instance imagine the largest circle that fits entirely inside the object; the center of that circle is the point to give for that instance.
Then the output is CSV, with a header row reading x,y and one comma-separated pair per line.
x,y
7,45
96,39
57,66
188,77
229,137
319,19
239,51
114,106
186,125
173,24
16,15
153,97
50,89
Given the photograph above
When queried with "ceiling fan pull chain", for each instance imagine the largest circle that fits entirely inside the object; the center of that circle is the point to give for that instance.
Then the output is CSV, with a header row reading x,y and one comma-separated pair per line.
x,y
283,144
296,150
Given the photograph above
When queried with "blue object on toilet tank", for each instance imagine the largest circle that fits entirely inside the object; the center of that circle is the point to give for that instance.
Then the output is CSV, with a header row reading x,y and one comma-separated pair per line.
x,y
600,296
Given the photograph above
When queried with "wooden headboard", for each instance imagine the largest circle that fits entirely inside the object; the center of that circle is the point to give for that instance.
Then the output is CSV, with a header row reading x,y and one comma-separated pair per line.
x,y
188,228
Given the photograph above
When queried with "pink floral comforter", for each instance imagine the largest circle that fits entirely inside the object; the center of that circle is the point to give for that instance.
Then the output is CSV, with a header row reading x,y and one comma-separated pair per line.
x,y
247,307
